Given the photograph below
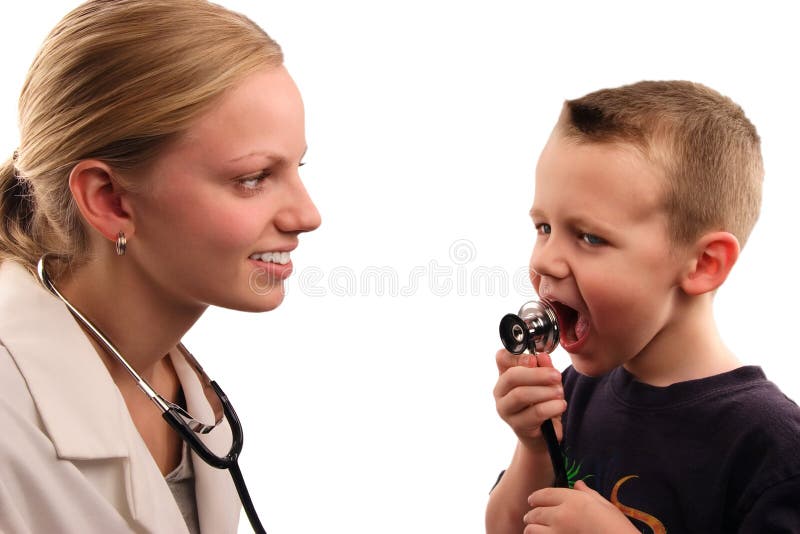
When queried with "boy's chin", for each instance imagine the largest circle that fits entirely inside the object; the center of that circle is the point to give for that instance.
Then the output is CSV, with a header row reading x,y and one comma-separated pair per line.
x,y
590,368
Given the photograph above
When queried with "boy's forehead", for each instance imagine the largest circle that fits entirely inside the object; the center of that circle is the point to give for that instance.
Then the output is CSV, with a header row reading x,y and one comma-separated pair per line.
x,y
584,173
564,150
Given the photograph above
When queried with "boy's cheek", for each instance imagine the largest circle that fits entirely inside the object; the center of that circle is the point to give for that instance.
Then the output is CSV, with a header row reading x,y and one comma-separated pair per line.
x,y
536,280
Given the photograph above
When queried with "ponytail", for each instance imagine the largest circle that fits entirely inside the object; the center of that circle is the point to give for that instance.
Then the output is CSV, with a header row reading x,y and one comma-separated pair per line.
x,y
16,213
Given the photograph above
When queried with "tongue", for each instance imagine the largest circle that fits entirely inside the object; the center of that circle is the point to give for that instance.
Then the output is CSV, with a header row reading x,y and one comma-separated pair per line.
x,y
581,327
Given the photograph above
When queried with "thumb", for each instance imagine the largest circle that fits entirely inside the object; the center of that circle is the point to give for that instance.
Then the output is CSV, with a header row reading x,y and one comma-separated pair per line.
x,y
506,360
584,488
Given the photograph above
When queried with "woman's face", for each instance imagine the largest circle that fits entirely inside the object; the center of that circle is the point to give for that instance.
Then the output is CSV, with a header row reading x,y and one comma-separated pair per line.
x,y
224,205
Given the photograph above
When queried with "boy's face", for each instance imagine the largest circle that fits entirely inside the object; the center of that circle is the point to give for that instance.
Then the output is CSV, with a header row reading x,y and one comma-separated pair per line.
x,y
602,252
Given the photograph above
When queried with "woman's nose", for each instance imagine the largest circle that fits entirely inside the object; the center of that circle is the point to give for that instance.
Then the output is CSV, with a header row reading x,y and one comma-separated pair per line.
x,y
300,214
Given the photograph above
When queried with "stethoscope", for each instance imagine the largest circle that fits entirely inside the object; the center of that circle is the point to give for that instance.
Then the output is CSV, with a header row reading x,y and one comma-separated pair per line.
x,y
179,419
535,329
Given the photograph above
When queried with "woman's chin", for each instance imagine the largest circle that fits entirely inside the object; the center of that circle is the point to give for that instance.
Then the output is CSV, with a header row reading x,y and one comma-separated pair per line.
x,y
254,302
266,304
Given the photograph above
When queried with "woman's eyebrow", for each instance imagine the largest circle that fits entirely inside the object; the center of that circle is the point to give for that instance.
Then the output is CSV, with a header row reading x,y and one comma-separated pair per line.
x,y
266,154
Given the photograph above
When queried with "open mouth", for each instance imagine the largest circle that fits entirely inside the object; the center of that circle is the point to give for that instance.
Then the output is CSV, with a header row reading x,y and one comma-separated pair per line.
x,y
281,258
574,326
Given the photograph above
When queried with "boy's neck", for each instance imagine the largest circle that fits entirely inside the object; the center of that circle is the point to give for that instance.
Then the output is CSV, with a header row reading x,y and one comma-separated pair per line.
x,y
689,348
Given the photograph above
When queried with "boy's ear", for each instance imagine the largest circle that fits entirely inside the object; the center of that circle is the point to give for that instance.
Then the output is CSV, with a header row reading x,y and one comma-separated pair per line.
x,y
101,201
713,257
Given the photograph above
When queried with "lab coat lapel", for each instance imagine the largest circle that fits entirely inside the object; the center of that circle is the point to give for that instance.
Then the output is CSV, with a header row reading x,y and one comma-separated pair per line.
x,y
218,504
79,404
81,408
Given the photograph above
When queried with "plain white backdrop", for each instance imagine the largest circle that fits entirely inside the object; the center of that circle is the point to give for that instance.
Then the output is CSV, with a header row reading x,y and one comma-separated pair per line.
x,y
366,397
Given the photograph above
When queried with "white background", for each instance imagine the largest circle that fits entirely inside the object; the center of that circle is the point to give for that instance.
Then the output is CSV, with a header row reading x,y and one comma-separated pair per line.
x,y
368,408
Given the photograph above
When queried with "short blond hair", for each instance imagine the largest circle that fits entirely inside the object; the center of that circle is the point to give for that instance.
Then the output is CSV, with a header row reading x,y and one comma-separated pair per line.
x,y
116,80
709,151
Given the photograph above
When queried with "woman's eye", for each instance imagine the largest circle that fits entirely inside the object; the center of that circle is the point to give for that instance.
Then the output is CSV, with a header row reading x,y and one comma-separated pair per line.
x,y
591,239
543,228
252,183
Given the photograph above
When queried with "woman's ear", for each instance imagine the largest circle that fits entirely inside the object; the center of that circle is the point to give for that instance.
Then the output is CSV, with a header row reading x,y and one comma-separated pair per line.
x,y
713,258
101,200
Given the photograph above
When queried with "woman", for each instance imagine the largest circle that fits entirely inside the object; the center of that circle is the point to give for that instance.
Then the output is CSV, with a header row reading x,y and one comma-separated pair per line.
x,y
157,173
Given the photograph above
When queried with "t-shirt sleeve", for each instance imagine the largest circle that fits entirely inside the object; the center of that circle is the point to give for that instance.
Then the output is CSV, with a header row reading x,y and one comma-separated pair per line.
x,y
776,511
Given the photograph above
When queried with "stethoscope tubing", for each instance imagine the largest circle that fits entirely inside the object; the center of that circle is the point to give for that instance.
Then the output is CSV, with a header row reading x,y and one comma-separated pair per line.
x,y
556,457
172,414
230,461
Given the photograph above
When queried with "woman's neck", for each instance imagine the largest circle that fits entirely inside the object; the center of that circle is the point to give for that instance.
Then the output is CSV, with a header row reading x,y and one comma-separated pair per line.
x,y
140,319
145,323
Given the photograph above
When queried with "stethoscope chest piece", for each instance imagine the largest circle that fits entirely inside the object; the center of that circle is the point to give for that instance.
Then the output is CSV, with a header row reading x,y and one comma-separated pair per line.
x,y
533,328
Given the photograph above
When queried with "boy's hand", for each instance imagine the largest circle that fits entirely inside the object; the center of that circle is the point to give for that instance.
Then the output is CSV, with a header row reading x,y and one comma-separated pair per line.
x,y
574,511
527,393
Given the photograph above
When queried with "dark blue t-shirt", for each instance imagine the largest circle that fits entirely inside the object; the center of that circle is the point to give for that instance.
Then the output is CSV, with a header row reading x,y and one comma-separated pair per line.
x,y
719,454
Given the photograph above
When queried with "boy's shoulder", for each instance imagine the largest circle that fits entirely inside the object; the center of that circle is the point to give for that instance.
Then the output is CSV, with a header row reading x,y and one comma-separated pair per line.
x,y
741,413
742,392
727,443
742,405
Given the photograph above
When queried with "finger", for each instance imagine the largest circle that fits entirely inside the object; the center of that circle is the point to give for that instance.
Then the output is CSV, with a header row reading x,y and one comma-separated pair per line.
x,y
538,516
525,376
528,423
537,529
523,397
543,359
548,497
506,360
584,488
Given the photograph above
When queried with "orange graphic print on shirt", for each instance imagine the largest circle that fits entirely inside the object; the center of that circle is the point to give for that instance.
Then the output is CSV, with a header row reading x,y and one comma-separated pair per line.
x,y
655,525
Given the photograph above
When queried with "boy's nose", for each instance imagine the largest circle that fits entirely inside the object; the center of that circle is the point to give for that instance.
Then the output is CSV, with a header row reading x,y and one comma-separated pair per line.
x,y
547,260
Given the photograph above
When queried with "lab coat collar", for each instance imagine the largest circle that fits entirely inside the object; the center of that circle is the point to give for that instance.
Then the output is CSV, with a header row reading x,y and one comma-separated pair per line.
x,y
54,355
85,415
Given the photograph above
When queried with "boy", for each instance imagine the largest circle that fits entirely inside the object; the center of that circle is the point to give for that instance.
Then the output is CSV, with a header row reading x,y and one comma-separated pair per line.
x,y
644,196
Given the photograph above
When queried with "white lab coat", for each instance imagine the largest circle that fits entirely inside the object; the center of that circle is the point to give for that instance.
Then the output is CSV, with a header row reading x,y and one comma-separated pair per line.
x,y
71,459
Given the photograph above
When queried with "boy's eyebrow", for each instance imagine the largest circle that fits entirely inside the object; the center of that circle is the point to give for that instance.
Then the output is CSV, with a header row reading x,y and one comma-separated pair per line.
x,y
574,221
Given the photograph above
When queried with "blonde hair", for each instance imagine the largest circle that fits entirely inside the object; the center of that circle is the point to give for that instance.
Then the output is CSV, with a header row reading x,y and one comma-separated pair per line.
x,y
116,80
709,151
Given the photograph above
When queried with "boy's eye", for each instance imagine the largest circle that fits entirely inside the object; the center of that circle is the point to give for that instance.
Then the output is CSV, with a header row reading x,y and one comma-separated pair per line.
x,y
591,239
543,228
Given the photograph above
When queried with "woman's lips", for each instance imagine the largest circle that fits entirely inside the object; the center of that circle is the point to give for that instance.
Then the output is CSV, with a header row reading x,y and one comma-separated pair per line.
x,y
272,270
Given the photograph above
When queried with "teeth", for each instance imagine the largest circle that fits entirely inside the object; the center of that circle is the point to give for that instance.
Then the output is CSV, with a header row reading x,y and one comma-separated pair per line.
x,y
272,257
